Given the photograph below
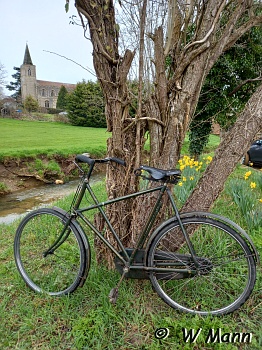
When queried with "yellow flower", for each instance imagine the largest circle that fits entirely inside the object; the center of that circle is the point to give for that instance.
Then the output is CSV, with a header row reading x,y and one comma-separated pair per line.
x,y
191,178
247,174
253,185
208,159
180,183
184,178
260,200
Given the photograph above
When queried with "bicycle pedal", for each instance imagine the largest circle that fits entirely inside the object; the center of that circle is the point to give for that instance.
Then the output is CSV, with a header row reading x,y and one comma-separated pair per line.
x,y
113,295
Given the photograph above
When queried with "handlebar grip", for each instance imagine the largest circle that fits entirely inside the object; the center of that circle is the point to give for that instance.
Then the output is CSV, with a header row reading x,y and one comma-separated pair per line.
x,y
84,159
118,160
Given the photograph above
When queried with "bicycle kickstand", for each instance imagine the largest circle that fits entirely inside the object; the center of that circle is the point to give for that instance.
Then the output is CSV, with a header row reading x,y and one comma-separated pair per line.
x,y
113,295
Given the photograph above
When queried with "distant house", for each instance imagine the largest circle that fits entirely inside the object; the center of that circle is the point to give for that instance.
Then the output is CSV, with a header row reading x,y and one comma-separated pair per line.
x,y
45,92
8,105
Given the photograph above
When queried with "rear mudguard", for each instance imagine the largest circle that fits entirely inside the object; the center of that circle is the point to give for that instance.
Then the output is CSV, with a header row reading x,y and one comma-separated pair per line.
x,y
84,240
216,217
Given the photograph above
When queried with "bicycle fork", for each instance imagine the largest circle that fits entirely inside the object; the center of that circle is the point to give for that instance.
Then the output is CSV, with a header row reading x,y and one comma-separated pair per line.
x,y
60,240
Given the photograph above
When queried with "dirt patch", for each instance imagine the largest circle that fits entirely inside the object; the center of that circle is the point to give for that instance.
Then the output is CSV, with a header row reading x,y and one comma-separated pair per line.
x,y
17,174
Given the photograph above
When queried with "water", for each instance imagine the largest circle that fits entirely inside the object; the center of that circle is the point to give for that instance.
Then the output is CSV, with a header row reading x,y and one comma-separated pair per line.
x,y
14,205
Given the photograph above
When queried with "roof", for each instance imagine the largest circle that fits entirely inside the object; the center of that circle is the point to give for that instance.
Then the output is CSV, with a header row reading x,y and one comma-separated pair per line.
x,y
27,57
55,84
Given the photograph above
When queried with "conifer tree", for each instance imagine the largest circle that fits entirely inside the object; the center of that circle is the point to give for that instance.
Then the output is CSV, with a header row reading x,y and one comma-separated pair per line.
x,y
61,100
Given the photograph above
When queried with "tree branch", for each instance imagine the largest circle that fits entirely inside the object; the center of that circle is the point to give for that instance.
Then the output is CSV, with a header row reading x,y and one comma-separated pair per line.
x,y
210,30
188,59
242,30
243,83
69,59
97,39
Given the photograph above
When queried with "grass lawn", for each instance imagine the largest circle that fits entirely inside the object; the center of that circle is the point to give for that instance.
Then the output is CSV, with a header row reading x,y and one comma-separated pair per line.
x,y
86,319
20,138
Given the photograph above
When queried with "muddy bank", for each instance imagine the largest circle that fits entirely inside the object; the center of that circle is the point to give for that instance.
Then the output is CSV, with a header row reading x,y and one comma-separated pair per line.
x,y
17,174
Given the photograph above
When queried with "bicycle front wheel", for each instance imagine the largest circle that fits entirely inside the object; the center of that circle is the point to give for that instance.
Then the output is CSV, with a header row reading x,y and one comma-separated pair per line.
x,y
226,271
60,271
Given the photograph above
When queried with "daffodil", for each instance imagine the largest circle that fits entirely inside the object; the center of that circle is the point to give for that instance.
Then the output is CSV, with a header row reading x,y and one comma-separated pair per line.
x,y
180,183
253,185
247,174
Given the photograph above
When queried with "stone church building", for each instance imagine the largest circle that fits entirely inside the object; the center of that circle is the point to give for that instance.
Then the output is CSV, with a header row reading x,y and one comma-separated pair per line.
x,y
45,92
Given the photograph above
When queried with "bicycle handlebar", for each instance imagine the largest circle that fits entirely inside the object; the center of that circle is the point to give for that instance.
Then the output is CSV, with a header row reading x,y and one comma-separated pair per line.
x,y
85,159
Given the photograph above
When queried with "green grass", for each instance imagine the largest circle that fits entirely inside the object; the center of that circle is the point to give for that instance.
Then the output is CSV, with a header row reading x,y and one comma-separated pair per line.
x,y
23,138
86,319
20,138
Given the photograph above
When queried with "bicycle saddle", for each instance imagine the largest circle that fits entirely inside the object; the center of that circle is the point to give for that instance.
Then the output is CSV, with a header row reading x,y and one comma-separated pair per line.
x,y
171,176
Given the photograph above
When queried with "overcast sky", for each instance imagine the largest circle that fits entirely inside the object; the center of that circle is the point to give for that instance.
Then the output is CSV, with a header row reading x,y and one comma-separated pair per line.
x,y
44,25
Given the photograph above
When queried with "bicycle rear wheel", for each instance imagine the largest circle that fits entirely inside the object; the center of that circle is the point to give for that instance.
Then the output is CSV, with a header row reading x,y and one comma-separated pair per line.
x,y
59,272
225,276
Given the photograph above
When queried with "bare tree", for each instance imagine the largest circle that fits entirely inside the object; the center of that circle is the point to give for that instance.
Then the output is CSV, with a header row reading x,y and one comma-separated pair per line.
x,y
181,48
2,78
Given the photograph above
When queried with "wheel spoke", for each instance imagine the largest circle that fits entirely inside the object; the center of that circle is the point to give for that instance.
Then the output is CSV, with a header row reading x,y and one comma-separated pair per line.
x,y
57,273
225,276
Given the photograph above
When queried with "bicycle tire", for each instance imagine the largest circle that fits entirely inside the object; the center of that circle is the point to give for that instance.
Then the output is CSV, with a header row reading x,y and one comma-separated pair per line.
x,y
59,273
226,275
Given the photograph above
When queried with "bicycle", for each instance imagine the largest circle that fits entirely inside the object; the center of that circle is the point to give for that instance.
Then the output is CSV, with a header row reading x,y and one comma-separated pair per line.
x,y
197,262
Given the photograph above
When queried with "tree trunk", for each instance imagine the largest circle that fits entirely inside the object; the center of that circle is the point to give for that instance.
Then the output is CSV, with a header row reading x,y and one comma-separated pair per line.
x,y
235,143
170,106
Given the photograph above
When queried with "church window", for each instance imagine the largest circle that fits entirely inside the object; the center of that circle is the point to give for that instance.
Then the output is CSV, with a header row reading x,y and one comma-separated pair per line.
x,y
29,71
43,92
52,93
47,104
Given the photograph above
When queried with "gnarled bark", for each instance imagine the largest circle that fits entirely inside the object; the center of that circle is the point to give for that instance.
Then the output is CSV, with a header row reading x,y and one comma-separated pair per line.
x,y
170,106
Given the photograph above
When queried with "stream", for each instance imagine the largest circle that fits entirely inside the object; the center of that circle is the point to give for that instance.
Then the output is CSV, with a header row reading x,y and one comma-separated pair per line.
x,y
15,205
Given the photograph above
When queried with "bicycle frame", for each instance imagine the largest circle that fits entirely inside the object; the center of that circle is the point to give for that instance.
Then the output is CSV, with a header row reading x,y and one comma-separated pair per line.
x,y
125,258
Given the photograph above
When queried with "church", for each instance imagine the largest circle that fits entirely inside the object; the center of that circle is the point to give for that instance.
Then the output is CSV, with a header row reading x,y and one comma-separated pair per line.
x,y
45,92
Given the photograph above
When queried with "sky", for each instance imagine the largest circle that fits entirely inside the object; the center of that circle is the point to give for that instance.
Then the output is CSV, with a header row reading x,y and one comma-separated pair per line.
x,y
44,26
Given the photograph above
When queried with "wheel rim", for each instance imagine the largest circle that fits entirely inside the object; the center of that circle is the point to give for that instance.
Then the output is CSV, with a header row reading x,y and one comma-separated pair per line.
x,y
221,290
56,273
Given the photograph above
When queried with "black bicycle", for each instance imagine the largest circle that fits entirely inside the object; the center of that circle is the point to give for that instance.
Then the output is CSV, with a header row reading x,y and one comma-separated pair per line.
x,y
197,262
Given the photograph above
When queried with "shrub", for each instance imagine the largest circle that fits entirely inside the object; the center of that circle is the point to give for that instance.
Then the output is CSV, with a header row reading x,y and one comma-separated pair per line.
x,y
85,105
3,188
54,110
30,104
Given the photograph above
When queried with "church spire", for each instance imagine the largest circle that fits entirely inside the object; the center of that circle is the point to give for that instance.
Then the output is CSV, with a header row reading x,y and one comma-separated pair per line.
x,y
27,57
